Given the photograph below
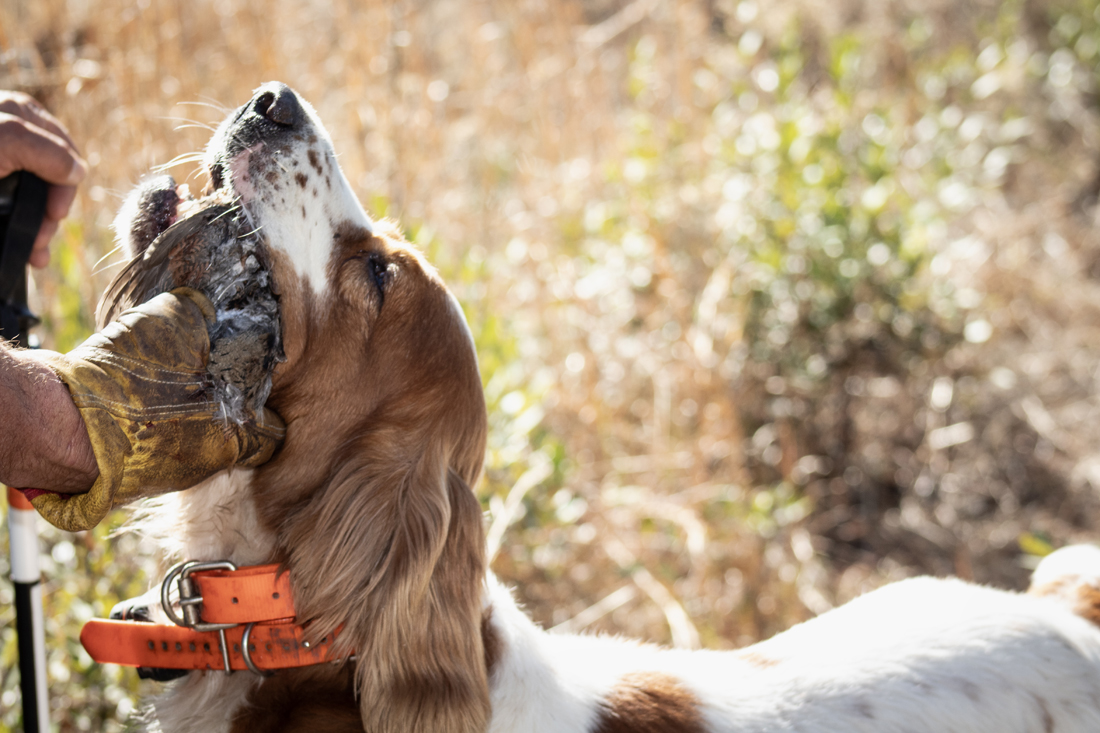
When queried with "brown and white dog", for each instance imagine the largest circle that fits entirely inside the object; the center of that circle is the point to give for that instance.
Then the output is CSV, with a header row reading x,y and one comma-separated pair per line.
x,y
369,506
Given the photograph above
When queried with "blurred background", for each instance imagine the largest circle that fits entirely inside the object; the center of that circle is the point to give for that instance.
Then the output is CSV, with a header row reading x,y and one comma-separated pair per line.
x,y
776,301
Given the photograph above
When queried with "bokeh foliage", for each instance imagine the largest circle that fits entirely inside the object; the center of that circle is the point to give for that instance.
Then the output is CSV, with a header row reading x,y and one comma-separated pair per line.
x,y
775,302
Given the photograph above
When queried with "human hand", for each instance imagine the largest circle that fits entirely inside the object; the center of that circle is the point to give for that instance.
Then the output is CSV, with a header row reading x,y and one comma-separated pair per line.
x,y
32,139
143,391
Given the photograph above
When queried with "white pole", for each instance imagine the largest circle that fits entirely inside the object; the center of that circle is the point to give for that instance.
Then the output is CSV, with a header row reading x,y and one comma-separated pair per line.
x,y
26,576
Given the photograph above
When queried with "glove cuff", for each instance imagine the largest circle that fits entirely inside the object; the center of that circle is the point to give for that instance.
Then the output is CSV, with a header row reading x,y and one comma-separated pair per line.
x,y
78,512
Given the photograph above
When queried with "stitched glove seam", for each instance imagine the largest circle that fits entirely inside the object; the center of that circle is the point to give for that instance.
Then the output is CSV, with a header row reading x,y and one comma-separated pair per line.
x,y
105,357
118,408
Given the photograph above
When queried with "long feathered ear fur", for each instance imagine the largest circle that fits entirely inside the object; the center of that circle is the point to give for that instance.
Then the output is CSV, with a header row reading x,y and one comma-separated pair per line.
x,y
392,549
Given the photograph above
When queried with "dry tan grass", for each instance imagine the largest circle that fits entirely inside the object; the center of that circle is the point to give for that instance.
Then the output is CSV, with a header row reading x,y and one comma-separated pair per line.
x,y
565,162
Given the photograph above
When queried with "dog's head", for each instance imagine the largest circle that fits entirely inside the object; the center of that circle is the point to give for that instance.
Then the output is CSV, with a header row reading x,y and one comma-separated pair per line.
x,y
370,496
372,337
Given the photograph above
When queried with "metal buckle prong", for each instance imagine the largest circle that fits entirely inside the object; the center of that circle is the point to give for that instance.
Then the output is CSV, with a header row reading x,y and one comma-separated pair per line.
x,y
191,603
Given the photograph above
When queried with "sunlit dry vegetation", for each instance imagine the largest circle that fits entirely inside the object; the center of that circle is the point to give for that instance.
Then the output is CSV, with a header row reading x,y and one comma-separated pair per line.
x,y
775,301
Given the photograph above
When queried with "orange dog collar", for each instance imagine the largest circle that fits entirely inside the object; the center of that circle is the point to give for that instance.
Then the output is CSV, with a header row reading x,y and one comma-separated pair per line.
x,y
230,619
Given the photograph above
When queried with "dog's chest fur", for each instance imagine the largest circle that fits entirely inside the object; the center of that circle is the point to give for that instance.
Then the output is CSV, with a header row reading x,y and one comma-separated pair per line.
x,y
215,520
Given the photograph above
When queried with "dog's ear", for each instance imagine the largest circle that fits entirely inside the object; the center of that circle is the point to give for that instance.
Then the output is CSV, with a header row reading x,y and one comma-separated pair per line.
x,y
392,551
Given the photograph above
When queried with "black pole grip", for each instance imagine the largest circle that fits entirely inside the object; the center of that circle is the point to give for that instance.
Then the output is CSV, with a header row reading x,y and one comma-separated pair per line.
x,y
22,209
28,679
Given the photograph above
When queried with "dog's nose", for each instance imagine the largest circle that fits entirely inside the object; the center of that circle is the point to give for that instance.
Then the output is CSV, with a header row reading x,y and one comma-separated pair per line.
x,y
278,103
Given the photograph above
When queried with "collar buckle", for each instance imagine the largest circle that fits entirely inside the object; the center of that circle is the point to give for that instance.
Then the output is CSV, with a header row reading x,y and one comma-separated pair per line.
x,y
191,602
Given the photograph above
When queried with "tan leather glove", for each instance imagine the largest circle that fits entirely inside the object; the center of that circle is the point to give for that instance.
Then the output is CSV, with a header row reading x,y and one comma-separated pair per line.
x,y
143,391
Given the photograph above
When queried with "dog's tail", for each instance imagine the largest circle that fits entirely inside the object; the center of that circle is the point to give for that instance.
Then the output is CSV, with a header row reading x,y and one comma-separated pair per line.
x,y
1072,576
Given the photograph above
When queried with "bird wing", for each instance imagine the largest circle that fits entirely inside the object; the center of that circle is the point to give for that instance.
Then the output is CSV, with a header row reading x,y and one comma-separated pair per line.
x,y
150,273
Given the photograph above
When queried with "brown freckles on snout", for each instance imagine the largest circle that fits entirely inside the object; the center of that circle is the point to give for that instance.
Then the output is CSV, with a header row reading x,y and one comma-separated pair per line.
x,y
315,161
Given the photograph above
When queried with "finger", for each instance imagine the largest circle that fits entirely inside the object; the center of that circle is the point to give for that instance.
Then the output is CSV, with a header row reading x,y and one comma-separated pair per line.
x,y
25,146
40,255
59,200
25,106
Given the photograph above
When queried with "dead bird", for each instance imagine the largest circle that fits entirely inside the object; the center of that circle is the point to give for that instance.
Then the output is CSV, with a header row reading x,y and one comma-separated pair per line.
x,y
173,240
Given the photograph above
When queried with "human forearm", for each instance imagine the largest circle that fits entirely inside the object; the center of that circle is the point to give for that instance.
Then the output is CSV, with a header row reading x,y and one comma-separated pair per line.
x,y
43,441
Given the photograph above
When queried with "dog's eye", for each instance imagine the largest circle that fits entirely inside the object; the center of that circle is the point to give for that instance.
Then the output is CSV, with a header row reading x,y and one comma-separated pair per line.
x,y
379,271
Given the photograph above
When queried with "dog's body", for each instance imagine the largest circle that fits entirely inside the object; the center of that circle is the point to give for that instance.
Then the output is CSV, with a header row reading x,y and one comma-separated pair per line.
x,y
369,507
